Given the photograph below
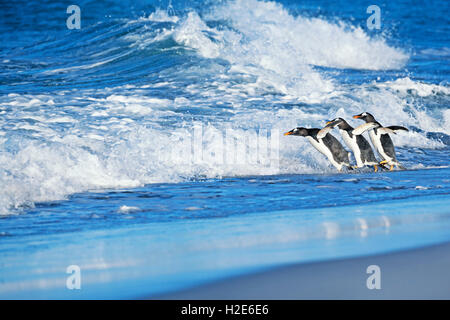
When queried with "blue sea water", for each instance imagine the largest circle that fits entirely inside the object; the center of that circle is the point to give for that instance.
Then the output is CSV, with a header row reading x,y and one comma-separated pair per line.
x,y
112,139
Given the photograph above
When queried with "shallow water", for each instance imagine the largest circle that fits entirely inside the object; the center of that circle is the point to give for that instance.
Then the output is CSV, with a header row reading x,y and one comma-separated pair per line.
x,y
146,241
114,139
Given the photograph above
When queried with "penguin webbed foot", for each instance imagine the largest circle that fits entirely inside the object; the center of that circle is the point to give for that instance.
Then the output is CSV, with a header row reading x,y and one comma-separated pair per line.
x,y
382,165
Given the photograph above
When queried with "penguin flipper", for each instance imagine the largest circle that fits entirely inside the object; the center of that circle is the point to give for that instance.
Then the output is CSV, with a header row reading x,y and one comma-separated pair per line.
x,y
397,128
323,132
391,129
364,127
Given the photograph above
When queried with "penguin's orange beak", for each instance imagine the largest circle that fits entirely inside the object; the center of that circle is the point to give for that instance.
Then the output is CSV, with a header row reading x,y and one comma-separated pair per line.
x,y
328,122
356,117
288,133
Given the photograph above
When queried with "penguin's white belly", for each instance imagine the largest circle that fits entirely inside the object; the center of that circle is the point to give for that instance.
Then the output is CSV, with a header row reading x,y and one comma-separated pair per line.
x,y
351,143
376,140
322,148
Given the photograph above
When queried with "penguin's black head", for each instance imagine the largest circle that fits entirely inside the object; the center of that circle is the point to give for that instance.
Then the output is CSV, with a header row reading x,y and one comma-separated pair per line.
x,y
367,117
300,131
341,123
335,122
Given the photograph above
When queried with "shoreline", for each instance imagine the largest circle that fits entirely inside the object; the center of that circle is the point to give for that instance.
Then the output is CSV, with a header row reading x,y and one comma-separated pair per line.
x,y
420,273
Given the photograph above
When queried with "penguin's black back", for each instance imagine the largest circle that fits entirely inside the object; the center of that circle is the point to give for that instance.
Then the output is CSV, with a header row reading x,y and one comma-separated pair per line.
x,y
340,155
367,154
388,146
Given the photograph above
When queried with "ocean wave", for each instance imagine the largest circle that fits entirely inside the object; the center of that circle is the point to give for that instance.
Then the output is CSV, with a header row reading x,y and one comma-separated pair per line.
x,y
241,71
264,40
267,27
406,86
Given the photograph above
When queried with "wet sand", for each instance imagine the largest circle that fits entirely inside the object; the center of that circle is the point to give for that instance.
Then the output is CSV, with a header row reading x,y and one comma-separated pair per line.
x,y
422,273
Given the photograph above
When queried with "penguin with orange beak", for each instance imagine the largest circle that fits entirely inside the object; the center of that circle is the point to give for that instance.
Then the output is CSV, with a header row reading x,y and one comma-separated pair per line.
x,y
326,144
380,138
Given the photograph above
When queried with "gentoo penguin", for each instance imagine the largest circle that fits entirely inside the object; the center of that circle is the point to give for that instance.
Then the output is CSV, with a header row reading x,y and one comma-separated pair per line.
x,y
326,144
361,148
380,138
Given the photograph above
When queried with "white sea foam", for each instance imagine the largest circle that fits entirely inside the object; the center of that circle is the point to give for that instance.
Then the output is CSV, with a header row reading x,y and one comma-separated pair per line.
x,y
123,152
128,209
406,86
162,16
267,25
